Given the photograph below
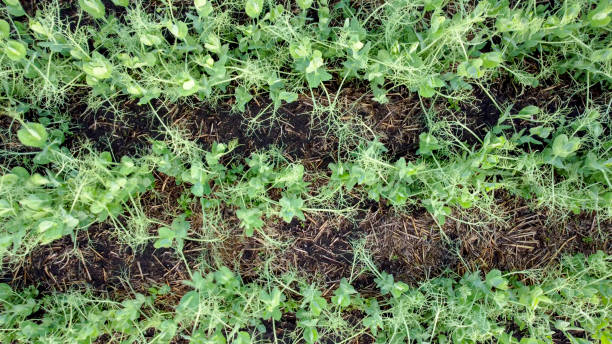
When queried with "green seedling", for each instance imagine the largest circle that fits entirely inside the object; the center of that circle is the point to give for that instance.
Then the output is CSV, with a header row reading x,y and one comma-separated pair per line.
x,y
174,235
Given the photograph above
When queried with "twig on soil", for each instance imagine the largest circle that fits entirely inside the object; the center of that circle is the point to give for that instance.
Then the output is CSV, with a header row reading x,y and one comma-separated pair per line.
x,y
140,269
559,250
84,265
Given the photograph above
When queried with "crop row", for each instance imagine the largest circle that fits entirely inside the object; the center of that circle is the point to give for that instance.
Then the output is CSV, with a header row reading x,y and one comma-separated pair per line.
x,y
212,51
573,300
567,170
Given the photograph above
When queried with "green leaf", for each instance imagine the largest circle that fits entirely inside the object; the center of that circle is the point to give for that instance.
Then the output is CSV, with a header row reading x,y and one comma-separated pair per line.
x,y
317,305
14,8
384,283
291,206
178,29
437,22
5,29
600,16
189,302
380,94
602,55
150,39
399,288
250,219
531,297
342,295
529,111
387,285
177,232
204,7
428,85
541,131
315,71
13,3
148,95
311,335
33,135
426,91
374,320
312,297
253,8
166,237
275,12
492,59
288,97
427,144
225,276
304,4
471,68
242,98
37,27
15,50
272,303
564,146
213,43
99,67
404,171
187,85
300,50
95,8
242,338
5,208
123,3
495,279
49,231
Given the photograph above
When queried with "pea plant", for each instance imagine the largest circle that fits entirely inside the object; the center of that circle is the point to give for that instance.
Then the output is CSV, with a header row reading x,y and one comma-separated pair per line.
x,y
443,179
247,187
219,308
209,55
45,204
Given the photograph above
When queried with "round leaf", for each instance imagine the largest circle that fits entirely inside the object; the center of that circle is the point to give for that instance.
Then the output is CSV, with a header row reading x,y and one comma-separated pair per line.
x,y
124,3
304,4
13,7
5,29
564,146
33,135
15,50
492,59
253,8
178,29
95,8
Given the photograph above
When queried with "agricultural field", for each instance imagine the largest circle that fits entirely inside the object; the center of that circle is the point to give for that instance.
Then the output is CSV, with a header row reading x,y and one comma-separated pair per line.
x,y
308,171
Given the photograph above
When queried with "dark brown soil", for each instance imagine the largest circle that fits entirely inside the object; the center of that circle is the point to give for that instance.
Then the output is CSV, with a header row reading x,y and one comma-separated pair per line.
x,y
411,246
97,260
291,127
414,248
127,132
397,123
9,142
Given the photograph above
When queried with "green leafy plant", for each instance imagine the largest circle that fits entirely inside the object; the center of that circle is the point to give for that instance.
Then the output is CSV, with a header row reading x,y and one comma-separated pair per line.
x,y
174,235
253,8
250,220
94,8
572,298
